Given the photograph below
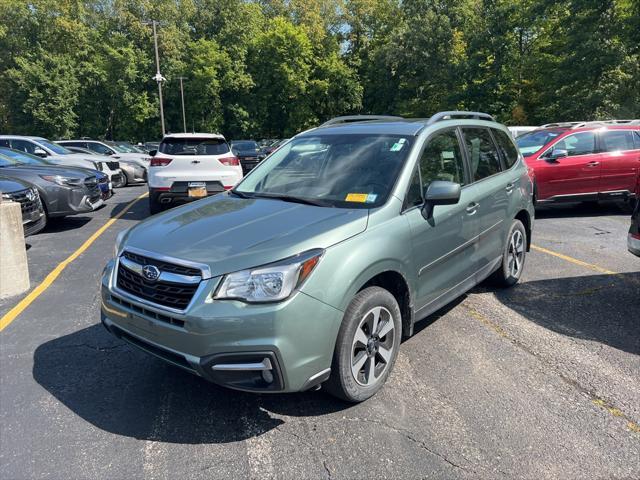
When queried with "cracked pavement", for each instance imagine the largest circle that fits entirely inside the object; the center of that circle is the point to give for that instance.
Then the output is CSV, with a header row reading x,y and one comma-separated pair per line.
x,y
539,381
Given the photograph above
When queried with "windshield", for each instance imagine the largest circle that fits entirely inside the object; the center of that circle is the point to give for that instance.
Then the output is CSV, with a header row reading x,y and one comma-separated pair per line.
x,y
119,148
348,171
530,143
128,148
193,146
245,146
54,147
23,158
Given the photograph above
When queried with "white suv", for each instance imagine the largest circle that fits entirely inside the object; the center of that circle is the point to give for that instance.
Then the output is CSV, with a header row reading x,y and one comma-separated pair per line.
x,y
188,166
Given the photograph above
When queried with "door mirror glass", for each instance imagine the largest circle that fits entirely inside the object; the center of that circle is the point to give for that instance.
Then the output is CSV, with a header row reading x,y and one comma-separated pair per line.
x,y
440,193
39,152
557,153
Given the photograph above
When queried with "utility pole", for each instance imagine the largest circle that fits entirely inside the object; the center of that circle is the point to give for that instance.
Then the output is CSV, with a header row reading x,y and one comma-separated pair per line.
x,y
184,117
158,76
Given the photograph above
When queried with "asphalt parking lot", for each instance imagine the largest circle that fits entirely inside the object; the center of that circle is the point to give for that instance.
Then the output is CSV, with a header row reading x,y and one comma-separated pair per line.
x,y
540,381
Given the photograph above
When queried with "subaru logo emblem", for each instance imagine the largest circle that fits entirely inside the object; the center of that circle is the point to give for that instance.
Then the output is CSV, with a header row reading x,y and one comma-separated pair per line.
x,y
151,272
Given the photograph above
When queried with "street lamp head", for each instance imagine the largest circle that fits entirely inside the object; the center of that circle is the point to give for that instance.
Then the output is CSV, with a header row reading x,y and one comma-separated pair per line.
x,y
159,78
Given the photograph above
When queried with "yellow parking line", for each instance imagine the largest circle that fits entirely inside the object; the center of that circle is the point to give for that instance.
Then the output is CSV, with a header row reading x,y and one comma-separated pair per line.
x,y
573,260
11,315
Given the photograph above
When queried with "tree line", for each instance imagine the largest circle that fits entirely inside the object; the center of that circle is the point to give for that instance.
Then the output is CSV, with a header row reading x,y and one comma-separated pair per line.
x,y
271,68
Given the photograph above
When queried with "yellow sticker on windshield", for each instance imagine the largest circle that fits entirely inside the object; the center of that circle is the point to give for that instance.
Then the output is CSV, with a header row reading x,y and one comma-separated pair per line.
x,y
357,197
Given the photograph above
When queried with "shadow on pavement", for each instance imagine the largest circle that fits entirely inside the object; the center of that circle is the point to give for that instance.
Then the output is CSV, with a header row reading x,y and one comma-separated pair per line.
x,y
573,210
139,211
599,308
127,392
62,224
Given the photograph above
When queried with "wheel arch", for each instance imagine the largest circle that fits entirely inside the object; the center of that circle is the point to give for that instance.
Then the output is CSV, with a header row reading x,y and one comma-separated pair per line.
x,y
525,218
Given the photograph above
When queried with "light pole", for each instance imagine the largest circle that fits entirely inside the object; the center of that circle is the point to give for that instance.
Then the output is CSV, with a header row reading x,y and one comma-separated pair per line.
x,y
158,76
184,117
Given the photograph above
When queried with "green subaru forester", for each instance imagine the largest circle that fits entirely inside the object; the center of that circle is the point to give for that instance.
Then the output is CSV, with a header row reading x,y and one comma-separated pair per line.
x,y
315,266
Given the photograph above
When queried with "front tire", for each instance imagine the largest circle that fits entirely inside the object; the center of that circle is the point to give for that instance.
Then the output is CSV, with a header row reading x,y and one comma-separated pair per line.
x,y
367,345
513,256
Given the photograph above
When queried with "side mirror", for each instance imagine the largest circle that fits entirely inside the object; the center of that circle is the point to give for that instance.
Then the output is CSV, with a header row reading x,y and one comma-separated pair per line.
x,y
40,152
439,193
557,153
152,153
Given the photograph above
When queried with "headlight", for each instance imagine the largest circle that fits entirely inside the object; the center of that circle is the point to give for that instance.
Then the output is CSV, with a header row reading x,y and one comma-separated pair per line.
x,y
6,196
269,283
119,239
62,180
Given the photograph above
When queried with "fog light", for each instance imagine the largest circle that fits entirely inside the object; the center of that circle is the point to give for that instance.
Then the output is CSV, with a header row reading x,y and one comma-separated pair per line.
x,y
267,376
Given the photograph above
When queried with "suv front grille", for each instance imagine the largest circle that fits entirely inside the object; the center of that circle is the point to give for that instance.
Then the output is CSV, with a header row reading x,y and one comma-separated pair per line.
x,y
175,287
27,205
113,165
91,183
163,266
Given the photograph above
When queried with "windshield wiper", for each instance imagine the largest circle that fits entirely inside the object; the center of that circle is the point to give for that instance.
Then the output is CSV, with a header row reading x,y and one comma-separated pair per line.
x,y
290,198
239,194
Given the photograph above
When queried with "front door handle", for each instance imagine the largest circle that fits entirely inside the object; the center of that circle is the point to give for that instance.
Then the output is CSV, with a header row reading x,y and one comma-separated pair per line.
x,y
593,164
472,208
509,187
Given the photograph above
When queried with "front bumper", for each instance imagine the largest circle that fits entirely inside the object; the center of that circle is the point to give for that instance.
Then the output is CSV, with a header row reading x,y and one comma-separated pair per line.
x,y
230,343
63,201
134,173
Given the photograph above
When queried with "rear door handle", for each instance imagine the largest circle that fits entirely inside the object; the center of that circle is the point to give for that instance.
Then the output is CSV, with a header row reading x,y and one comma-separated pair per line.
x,y
472,208
593,164
509,187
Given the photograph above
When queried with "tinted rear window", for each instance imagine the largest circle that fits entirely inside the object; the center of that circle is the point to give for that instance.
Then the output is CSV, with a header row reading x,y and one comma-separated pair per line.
x,y
193,146
507,148
245,145
617,140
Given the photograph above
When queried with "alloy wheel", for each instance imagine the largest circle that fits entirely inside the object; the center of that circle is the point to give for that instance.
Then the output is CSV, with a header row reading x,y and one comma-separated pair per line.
x,y
515,254
372,346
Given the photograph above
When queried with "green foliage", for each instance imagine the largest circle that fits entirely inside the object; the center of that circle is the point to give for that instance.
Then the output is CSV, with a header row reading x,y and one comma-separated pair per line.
x,y
275,67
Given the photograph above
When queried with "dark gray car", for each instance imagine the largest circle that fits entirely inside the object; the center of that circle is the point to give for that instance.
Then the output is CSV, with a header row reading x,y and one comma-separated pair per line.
x,y
63,190
26,194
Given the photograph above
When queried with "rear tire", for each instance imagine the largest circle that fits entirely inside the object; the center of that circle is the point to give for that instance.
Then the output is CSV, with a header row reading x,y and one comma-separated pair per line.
x,y
154,205
367,345
513,256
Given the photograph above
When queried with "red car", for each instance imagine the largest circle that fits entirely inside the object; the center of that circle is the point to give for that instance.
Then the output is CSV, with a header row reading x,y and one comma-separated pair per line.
x,y
587,161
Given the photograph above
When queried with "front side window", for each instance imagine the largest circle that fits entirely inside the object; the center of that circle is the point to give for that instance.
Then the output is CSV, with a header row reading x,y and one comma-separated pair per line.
x,y
506,146
583,143
193,146
442,159
23,146
483,154
617,140
345,171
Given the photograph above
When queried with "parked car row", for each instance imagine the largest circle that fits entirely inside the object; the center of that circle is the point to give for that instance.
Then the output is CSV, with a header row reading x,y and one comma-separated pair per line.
x,y
50,180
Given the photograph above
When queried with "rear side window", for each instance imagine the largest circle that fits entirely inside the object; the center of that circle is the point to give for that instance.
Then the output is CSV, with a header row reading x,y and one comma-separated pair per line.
x,y
442,159
583,143
483,154
616,140
4,143
506,146
193,146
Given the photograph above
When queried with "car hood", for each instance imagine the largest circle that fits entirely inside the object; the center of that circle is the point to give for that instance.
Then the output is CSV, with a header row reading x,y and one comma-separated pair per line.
x,y
132,157
229,233
8,185
77,159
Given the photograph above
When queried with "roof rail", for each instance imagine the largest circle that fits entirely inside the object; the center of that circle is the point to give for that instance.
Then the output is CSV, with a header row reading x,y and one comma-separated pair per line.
x,y
361,118
461,115
596,123
560,124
